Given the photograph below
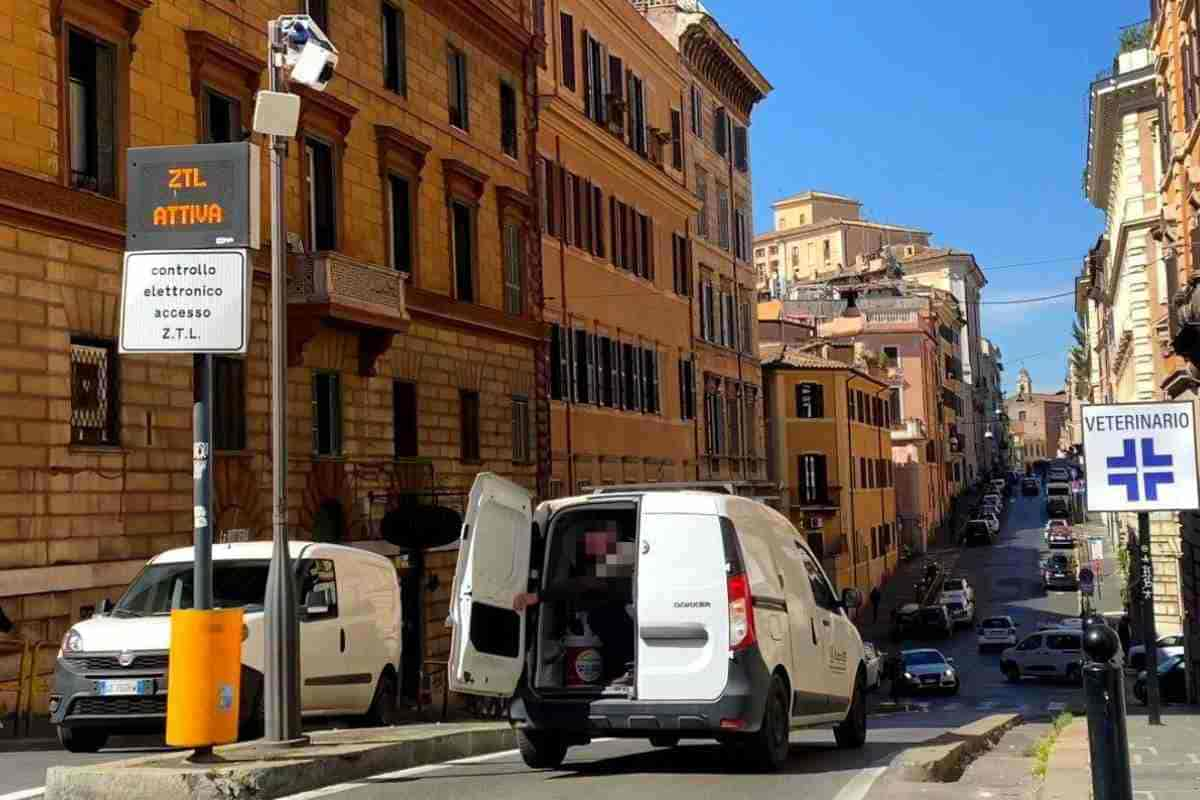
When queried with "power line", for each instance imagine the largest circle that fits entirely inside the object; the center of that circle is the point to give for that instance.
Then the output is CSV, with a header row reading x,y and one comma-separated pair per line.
x,y
1021,264
1041,299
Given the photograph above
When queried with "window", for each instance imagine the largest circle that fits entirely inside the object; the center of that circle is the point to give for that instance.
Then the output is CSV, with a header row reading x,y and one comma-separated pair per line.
x,y
636,89
615,366
631,369
650,395
327,414
229,403
319,11
567,26
583,387
395,72
750,401
463,231
714,418
222,118
741,233
826,248
95,395
92,106
521,447
728,323
560,363
400,206
551,197
468,424
795,256
823,593
702,196
514,269
687,388
741,149
1021,416
733,412
508,119
895,411
596,212
860,404
746,331
676,139
721,132
810,401
851,409
681,267
595,79
891,356
322,204
1032,643
708,312
316,580
404,419
723,217
460,115
697,109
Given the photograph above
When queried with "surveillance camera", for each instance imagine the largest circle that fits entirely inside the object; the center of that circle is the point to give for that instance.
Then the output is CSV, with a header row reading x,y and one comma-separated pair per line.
x,y
308,53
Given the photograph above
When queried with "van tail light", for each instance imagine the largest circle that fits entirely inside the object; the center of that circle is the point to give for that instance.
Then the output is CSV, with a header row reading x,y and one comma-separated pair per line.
x,y
741,603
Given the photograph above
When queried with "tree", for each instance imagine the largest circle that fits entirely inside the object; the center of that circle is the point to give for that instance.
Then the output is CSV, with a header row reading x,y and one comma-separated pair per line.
x,y
1081,361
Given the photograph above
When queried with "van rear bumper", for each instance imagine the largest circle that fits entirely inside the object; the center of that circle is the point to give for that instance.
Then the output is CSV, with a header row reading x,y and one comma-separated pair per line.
x,y
743,701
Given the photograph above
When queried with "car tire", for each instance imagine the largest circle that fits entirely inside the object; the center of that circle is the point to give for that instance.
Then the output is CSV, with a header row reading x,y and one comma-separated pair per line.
x,y
953,690
766,750
541,749
383,712
1012,672
851,733
82,740
664,741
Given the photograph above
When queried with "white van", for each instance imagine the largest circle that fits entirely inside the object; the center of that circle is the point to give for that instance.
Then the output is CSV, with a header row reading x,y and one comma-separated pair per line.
x,y
111,673
1049,653
734,631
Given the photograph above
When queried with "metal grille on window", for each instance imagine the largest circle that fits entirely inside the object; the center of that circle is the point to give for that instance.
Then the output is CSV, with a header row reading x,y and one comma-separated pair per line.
x,y
94,401
520,430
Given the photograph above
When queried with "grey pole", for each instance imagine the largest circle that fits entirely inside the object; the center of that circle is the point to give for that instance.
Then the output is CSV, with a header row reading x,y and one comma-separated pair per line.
x,y
1104,690
282,681
1149,633
202,538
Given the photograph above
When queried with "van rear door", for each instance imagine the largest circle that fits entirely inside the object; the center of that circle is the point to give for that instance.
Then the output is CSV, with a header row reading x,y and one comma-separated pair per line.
x,y
487,648
682,599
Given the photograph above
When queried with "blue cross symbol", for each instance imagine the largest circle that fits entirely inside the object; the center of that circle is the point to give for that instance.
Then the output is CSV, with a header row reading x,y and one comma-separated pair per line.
x,y
1128,460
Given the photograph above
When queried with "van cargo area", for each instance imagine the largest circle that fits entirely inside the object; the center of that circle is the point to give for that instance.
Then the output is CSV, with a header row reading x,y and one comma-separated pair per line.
x,y
586,642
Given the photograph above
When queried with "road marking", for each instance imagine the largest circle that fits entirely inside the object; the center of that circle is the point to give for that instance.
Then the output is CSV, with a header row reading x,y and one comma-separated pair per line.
x,y
24,794
338,788
860,784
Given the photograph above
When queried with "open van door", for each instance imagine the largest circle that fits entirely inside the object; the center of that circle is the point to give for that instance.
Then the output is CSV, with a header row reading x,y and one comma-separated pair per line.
x,y
487,649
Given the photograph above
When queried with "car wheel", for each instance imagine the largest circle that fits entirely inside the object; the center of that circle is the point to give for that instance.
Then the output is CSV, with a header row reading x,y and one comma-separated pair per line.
x,y
82,740
383,712
767,748
953,690
541,749
851,733
1012,672
664,741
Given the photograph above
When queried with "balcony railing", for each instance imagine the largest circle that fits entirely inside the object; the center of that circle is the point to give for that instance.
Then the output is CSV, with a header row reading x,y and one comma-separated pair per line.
x,y
803,499
891,317
909,430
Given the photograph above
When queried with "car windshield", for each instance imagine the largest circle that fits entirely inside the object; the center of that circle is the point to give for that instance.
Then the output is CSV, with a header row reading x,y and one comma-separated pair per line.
x,y
953,585
995,622
163,588
954,606
1169,664
923,658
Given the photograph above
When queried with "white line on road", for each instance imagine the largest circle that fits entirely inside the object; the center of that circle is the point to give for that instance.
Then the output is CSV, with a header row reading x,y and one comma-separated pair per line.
x,y
24,794
338,788
860,784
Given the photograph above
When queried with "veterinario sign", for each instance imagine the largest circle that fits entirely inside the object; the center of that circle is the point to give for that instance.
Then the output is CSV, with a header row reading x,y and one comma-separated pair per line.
x,y
1140,457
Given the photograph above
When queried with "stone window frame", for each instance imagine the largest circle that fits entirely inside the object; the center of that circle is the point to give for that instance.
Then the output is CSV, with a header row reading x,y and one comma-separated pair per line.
x,y
403,156
115,22
327,120
514,207
219,66
465,185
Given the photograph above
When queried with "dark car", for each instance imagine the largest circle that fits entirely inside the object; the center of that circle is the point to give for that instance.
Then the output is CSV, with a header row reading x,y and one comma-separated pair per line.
x,y
905,620
936,621
1059,572
927,670
1172,682
1030,487
977,531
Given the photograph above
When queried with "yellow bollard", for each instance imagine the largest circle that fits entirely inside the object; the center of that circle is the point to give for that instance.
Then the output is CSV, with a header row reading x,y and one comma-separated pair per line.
x,y
204,677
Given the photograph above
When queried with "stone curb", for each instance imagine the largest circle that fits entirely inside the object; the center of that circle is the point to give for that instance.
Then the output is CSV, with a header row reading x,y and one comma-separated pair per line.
x,y
253,771
944,758
1069,770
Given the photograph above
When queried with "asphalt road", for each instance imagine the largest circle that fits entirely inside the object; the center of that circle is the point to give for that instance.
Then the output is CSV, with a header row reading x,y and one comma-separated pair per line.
x,y
1006,580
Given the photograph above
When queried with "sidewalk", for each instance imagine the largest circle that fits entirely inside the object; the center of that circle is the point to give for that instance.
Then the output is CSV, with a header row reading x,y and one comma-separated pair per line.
x,y
1165,760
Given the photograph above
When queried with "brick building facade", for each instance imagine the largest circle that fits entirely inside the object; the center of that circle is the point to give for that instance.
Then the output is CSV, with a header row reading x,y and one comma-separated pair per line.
x,y
416,347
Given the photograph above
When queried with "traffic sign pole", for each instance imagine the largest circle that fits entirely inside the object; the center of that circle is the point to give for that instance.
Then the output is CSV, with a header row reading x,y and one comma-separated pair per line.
x,y
1150,634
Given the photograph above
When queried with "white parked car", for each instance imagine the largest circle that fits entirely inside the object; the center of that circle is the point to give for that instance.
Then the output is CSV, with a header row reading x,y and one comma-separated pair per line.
x,y
998,631
1169,645
1053,653
734,631
111,673
1058,525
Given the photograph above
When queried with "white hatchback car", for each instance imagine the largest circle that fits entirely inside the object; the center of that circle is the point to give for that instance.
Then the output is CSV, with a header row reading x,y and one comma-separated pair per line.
x,y
999,631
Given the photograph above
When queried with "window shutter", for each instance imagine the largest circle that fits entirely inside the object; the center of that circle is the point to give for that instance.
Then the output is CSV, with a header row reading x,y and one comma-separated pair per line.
x,y
614,223
697,113
639,399
574,355
631,104
464,90
584,198
676,139
593,393
589,88
657,362
650,248
720,132
568,50
741,155
602,88
568,207
598,221
618,375
106,119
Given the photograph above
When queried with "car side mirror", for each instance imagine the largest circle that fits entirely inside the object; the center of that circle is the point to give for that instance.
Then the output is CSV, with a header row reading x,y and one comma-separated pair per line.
x,y
852,598
105,607
950,661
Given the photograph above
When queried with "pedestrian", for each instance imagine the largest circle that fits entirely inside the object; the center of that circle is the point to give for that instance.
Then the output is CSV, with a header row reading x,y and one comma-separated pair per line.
x,y
894,667
876,596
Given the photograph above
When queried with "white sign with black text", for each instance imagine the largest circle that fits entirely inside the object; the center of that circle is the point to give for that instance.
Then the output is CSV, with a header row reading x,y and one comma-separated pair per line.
x,y
1140,456
187,301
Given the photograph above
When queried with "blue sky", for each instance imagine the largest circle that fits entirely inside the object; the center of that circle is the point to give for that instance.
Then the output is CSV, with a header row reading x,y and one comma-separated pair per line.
x,y
965,119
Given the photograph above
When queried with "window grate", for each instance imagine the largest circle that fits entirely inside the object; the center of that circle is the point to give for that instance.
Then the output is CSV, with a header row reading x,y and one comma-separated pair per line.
x,y
94,393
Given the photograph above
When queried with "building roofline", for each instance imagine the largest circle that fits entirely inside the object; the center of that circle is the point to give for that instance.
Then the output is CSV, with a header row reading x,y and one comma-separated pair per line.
x,y
833,223
814,195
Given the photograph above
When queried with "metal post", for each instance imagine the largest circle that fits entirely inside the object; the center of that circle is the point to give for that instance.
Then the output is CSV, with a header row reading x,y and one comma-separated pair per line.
x,y
1104,686
1149,633
282,680
202,396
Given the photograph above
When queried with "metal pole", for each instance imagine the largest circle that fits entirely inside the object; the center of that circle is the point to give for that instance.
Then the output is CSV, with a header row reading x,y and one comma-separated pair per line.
x,y
1107,742
282,681
1149,634
202,394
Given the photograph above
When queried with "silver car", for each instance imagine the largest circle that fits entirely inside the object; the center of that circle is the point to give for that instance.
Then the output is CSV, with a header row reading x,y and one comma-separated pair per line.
x,y
928,670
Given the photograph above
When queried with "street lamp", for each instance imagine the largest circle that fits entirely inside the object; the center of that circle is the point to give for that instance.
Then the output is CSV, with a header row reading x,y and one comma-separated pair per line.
x,y
297,46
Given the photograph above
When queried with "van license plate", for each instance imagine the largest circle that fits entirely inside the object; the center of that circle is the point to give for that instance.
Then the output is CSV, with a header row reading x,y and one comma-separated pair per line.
x,y
125,687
